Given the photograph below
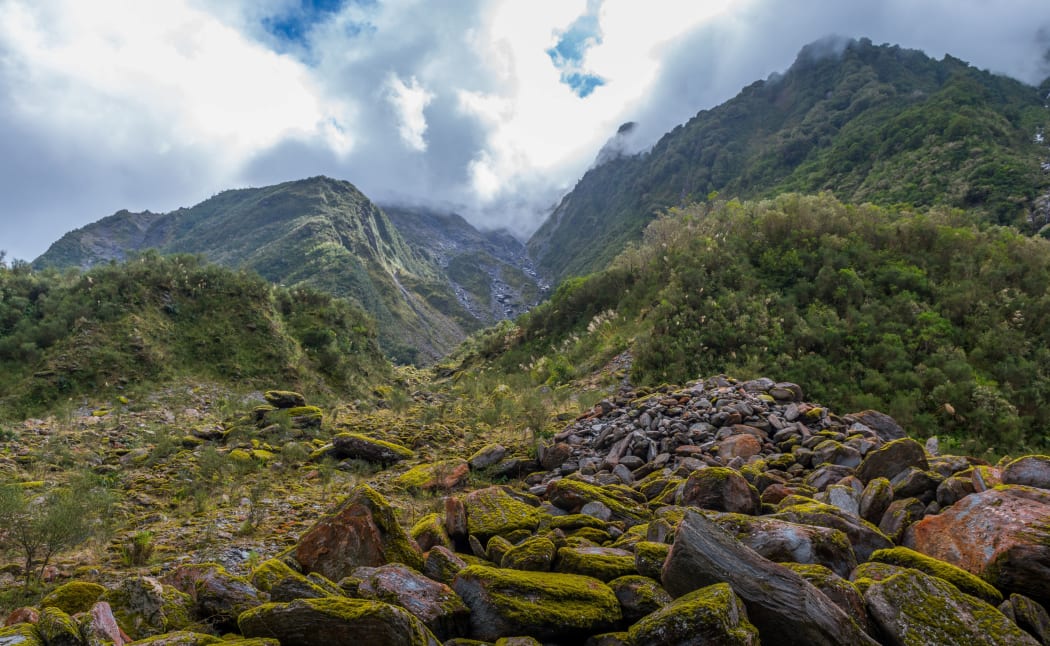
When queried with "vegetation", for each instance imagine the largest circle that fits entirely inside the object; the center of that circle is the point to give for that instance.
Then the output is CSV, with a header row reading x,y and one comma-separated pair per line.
x,y
65,336
877,124
932,316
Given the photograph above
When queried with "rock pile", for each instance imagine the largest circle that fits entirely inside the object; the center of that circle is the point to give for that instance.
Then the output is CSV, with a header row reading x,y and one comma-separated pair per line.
x,y
721,512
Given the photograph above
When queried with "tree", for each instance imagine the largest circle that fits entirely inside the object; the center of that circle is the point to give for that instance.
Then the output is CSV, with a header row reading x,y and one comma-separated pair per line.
x,y
40,526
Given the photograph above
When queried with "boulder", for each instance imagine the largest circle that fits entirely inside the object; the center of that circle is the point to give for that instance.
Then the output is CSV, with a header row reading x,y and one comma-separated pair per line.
x,y
710,615
1029,616
842,592
720,489
602,563
884,426
22,634
912,607
741,445
336,622
445,475
1001,535
571,495
899,515
779,602
781,540
218,596
535,554
966,582
498,510
863,536
429,531
1030,470
892,458
639,596
434,603
355,446
442,564
361,531
486,456
99,627
282,583
57,628
186,638
284,398
545,605
73,597
144,606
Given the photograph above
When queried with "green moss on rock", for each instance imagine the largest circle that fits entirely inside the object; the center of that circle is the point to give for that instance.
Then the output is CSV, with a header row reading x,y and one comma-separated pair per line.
x,y
649,558
494,510
960,578
711,615
602,563
73,597
334,620
20,635
535,554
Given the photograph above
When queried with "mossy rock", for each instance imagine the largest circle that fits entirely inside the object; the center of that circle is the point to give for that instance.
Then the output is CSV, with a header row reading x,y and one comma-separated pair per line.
x,y
73,597
710,615
571,495
649,558
356,446
57,628
535,554
443,476
240,456
494,510
870,572
573,522
543,605
305,416
182,638
284,398
429,531
912,607
336,621
639,596
602,563
960,578
845,594
20,635
144,607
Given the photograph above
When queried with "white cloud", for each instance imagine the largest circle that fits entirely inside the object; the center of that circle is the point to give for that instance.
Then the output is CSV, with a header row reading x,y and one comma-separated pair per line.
x,y
410,99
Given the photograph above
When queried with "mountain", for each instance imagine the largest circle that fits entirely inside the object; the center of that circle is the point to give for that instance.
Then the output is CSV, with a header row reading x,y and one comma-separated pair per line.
x,y
324,233
873,123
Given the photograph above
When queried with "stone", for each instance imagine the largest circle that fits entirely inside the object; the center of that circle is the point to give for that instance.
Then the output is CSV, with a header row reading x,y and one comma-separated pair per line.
x,y
555,455
916,483
284,398
875,499
709,615
953,489
336,621
282,583
781,540
741,445
1030,470
778,601
966,582
638,596
720,489
218,596
486,456
23,615
144,606
444,475
899,515
429,531
99,627
884,426
911,607
544,605
355,446
840,591
189,638
1029,616
443,612
57,628
863,536
535,554
1001,535
73,597
442,564
362,530
22,634
649,558
498,510
891,458
571,495
602,563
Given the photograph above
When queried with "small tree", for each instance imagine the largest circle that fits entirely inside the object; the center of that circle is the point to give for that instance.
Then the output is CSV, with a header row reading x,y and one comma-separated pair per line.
x,y
39,527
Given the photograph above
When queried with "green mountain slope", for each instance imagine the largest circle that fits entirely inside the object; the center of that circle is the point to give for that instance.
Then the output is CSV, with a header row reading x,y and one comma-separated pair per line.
x,y
877,124
927,315
317,232
119,327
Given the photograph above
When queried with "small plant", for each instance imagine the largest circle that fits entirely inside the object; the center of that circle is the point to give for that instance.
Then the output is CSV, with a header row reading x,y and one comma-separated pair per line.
x,y
138,549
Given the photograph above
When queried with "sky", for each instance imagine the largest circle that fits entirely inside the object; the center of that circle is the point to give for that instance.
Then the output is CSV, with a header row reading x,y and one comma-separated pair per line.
x,y
491,108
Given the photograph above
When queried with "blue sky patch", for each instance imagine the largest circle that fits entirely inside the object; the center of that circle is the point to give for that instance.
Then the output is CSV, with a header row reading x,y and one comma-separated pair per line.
x,y
568,52
292,27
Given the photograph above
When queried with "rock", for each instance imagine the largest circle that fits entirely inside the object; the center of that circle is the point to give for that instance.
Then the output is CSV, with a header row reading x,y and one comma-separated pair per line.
x,y
442,564
23,615
57,628
186,638
218,596
544,605
863,536
487,456
571,495
602,563
911,607
361,531
284,398
144,606
892,458
73,597
535,554
842,592
916,483
720,489
966,582
742,445
456,520
21,634
99,627
953,489
429,531
899,515
1029,616
282,583
1001,535
1030,470
885,427
710,615
638,596
361,447
336,622
555,455
649,558
781,540
434,603
445,475
779,602
875,499
498,510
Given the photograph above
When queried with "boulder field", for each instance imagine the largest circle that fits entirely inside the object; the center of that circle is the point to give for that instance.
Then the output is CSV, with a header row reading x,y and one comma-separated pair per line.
x,y
720,512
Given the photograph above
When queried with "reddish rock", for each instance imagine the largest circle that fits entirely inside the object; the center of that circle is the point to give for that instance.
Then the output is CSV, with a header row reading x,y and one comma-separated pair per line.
x,y
99,626
455,519
720,489
555,455
218,596
985,478
361,531
1001,535
24,615
436,604
743,445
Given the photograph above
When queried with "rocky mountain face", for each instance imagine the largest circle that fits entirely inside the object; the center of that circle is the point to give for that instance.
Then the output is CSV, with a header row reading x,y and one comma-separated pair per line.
x,y
873,124
736,512
324,233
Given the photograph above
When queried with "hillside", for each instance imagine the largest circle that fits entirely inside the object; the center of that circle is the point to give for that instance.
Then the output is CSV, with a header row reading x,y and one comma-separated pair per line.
x,y
121,328
319,233
875,124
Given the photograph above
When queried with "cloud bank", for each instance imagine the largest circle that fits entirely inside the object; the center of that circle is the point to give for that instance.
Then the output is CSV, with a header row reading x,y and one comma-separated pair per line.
x,y
493,108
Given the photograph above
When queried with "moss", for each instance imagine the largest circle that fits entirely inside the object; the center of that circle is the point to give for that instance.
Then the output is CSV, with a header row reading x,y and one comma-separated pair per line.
x,y
867,573
73,597
397,451
571,522
534,554
602,563
713,614
569,493
271,572
311,620
56,627
968,583
596,536
431,475
649,558
240,456
20,635
430,531
143,607
284,398
493,511
185,638
497,547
